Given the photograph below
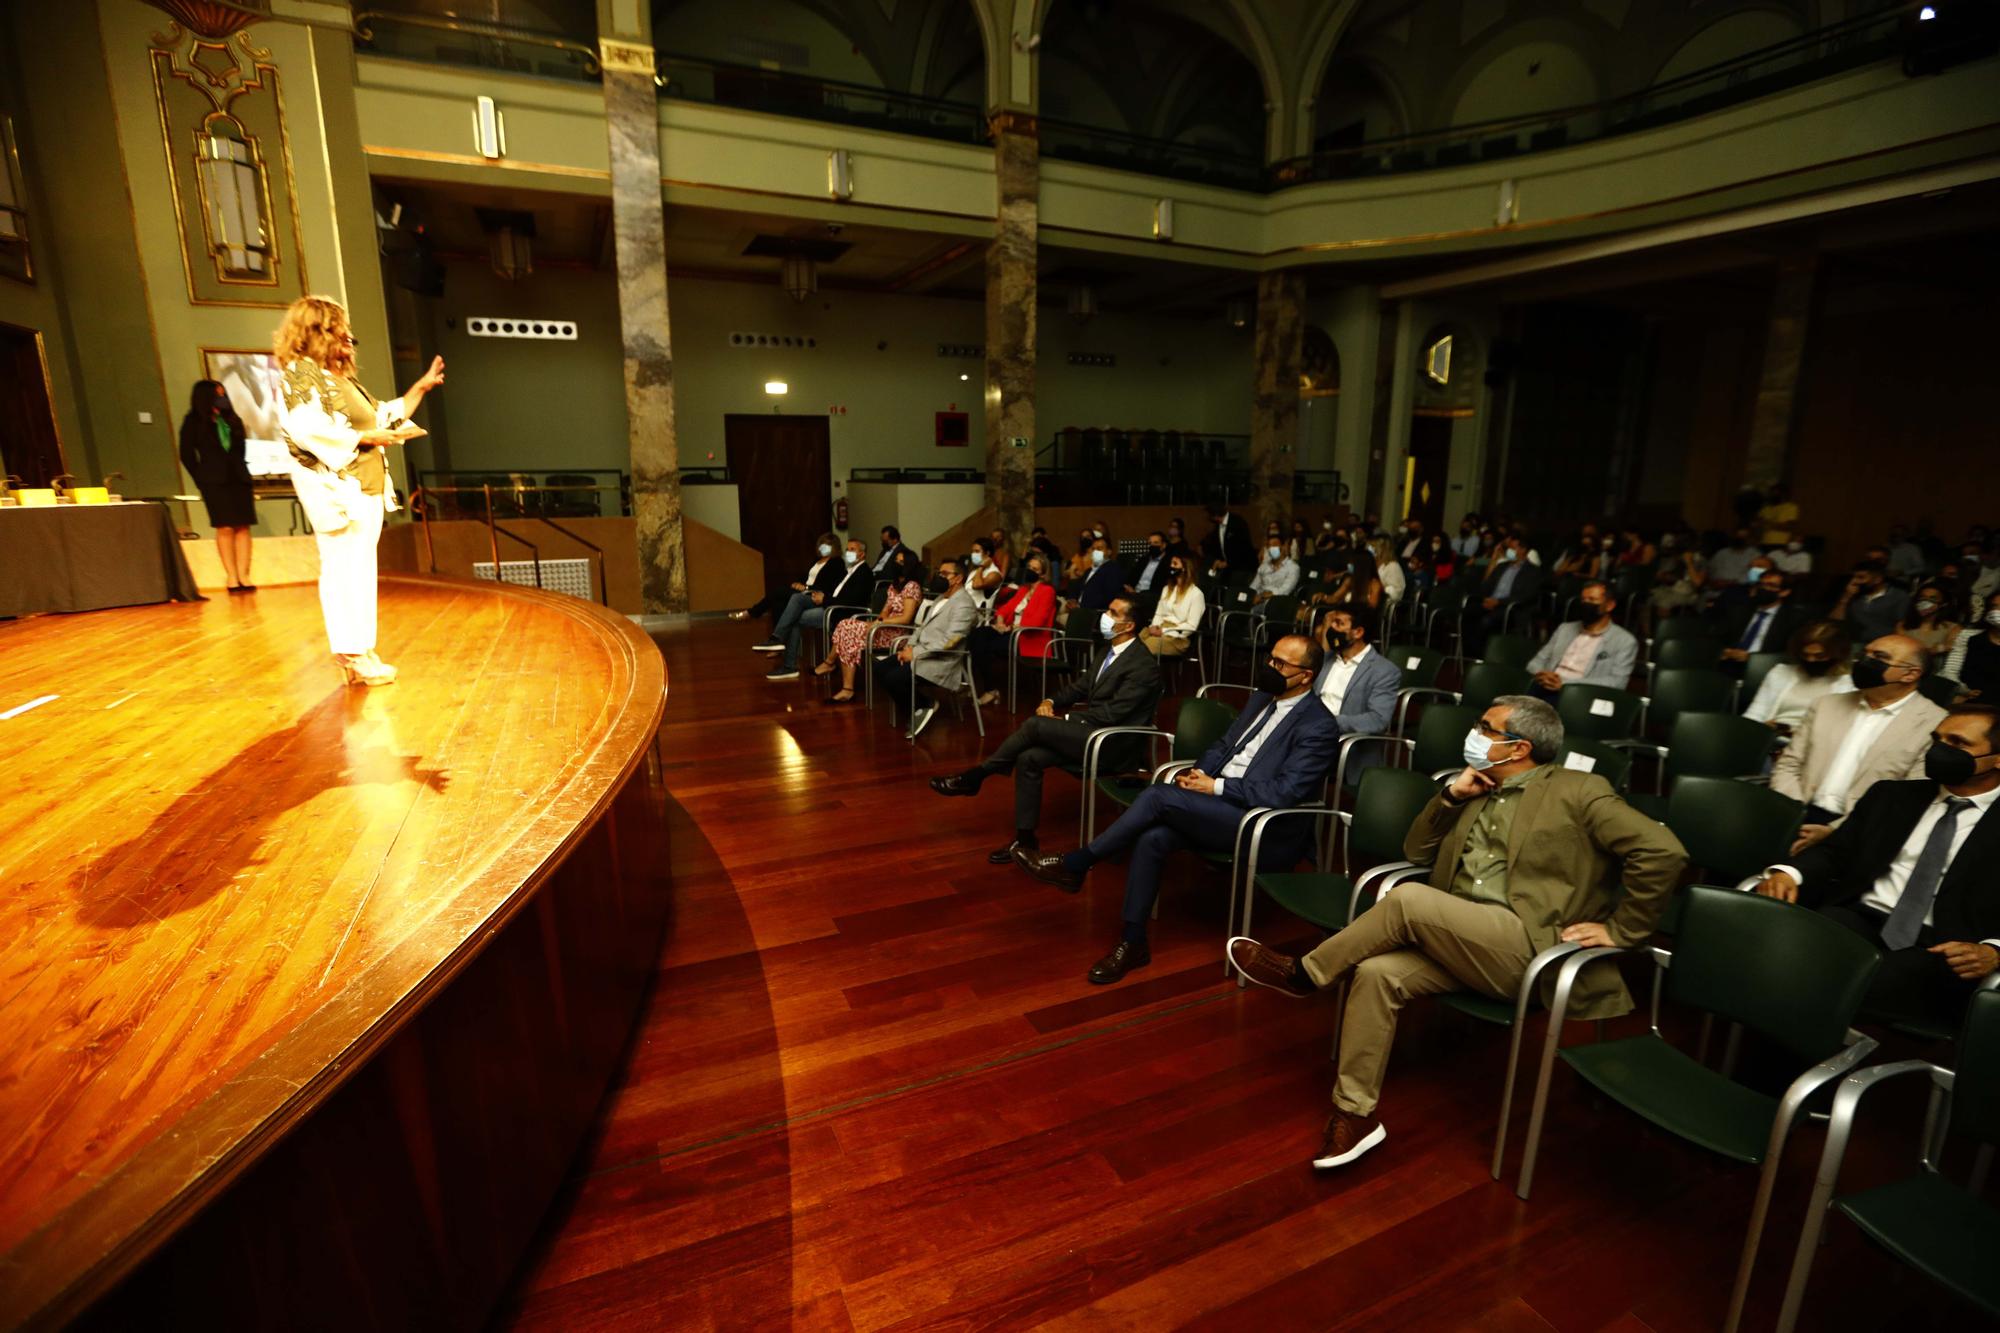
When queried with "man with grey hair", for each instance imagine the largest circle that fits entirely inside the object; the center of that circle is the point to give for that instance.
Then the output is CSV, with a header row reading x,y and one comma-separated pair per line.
x,y
1524,853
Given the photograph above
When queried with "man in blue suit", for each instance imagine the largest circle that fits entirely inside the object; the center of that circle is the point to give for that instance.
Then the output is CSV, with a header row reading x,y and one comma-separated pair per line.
x,y
1357,684
1276,753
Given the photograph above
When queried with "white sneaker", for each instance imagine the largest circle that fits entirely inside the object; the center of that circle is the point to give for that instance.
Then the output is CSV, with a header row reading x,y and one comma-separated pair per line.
x,y
767,647
921,719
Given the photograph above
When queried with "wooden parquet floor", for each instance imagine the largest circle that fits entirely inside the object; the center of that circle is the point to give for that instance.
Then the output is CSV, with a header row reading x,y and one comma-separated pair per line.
x,y
873,1091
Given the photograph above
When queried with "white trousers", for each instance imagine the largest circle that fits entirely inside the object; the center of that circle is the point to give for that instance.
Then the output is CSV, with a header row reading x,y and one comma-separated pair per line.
x,y
347,580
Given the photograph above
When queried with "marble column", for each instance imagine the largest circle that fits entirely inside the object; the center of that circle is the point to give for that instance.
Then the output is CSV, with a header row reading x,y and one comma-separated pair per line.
x,y
1010,328
638,223
1274,411
1785,336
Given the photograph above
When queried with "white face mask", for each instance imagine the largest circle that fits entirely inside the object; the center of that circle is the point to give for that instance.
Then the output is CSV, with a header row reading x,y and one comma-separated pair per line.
x,y
1275,552
1106,625
825,550
1097,533
1096,559
1478,750
1328,525
852,557
978,557
1993,617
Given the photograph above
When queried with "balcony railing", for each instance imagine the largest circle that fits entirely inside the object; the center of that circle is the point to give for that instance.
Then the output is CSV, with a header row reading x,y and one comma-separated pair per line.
x,y
453,41
1152,157
1802,59
568,55
809,98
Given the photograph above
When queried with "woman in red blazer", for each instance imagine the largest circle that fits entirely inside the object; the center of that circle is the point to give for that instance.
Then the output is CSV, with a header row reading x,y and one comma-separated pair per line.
x,y
1030,607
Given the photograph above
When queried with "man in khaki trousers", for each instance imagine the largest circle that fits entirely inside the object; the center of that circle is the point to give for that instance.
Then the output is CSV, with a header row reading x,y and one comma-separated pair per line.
x,y
1524,854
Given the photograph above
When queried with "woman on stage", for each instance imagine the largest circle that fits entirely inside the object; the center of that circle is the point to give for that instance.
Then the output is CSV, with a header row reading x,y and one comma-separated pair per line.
x,y
212,451
336,434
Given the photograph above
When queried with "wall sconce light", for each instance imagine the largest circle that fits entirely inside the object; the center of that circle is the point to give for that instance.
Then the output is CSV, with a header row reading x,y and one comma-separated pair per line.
x,y
801,277
839,175
489,129
232,186
1082,303
1238,314
1507,208
1163,219
777,388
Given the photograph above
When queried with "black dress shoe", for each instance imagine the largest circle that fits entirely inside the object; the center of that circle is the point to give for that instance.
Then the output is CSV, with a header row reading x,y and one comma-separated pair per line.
x,y
1114,965
958,784
1003,855
1048,869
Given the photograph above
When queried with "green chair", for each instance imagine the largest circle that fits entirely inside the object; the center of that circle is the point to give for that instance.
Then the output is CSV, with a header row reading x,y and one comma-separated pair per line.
x,y
1598,712
1687,690
1439,745
1732,829
1446,606
1420,667
1488,680
1946,1232
1608,761
1687,651
1755,668
1199,724
1679,627
1510,650
1389,801
1706,745
1796,978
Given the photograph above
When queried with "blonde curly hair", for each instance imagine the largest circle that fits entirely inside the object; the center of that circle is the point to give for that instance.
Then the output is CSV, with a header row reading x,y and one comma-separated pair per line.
x,y
315,328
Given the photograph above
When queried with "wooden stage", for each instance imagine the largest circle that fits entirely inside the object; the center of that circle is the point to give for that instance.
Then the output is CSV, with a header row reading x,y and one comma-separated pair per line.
x,y
281,955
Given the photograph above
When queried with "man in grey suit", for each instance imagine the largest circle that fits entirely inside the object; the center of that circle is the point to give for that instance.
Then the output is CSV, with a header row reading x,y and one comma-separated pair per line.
x,y
923,653
1357,684
1591,650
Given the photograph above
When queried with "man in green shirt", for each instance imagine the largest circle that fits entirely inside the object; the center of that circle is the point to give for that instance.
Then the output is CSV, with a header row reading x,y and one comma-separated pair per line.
x,y
1530,854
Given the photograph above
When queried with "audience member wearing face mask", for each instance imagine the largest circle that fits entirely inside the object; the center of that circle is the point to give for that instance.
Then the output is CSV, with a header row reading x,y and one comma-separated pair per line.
x,y
1120,688
1105,580
1816,665
1593,649
1177,615
822,573
1915,871
1975,659
1930,622
1277,573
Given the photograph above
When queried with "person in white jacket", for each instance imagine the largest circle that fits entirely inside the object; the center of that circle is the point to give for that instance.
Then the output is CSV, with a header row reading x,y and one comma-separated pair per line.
x,y
336,433
1177,616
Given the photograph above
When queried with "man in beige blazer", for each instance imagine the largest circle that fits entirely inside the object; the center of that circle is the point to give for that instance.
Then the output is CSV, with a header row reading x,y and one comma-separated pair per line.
x,y
1525,853
1846,743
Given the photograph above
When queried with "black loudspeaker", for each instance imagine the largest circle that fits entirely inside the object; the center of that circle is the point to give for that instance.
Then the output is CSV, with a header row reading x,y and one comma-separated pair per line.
x,y
417,271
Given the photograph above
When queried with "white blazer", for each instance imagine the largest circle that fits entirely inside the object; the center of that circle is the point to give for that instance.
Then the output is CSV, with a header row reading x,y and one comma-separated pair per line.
x,y
324,443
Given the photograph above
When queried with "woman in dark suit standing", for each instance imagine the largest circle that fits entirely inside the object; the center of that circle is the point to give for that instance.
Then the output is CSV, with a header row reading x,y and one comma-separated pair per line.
x,y
212,451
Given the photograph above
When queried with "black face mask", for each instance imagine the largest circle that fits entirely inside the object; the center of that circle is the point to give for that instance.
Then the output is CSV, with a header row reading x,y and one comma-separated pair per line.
x,y
1176,571
1335,641
1593,612
1030,574
1816,668
940,586
1869,672
1766,596
1950,767
1271,680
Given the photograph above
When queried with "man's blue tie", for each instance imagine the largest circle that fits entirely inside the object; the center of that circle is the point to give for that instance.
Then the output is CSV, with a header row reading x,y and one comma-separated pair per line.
x,y
1102,666
1756,628
1262,718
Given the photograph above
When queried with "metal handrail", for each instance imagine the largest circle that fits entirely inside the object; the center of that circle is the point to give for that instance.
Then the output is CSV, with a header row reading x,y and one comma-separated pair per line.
x,y
365,19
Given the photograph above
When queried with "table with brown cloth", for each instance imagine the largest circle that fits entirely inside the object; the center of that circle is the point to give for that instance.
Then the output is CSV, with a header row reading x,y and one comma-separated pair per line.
x,y
88,557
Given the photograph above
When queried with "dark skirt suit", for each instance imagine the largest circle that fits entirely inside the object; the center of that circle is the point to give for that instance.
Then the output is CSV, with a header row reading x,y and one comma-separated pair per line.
x,y
222,475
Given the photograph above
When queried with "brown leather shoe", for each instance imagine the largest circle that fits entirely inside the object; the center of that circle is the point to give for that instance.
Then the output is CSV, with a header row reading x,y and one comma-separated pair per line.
x,y
1347,1137
1048,869
1266,967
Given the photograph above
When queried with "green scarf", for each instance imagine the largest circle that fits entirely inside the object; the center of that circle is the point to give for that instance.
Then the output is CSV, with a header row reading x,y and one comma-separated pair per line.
x,y
222,434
